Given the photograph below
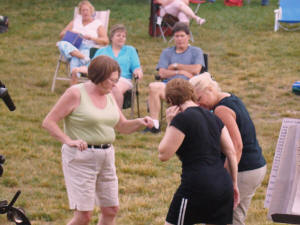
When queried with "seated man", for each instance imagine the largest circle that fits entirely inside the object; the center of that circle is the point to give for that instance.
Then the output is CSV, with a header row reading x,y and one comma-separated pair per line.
x,y
127,58
180,61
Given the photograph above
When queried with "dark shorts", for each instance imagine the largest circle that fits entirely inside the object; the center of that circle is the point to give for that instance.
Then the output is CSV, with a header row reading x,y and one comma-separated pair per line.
x,y
206,206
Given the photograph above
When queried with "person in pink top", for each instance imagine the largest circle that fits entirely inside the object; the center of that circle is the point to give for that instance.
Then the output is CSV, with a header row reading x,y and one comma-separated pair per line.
x,y
179,9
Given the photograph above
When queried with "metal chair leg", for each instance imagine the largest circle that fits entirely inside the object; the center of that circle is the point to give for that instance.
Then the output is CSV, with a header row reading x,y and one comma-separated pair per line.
x,y
137,99
133,93
161,110
56,72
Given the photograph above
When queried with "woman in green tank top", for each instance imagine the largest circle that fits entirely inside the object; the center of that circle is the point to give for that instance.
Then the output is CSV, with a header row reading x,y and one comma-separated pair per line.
x,y
91,116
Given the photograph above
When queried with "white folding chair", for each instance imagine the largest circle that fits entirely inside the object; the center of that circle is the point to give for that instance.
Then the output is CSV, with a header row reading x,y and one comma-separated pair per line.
x,y
103,16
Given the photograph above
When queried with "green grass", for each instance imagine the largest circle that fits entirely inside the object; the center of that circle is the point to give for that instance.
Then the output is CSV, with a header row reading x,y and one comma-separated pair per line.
x,y
245,56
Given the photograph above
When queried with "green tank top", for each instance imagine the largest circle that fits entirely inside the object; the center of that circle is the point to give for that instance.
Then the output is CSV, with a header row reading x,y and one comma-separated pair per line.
x,y
91,124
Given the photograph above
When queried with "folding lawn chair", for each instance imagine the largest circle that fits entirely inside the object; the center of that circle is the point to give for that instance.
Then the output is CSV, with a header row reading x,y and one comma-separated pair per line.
x,y
101,15
288,15
162,26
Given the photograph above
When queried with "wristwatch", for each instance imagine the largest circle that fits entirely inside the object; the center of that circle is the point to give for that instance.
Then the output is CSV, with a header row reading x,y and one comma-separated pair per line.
x,y
175,65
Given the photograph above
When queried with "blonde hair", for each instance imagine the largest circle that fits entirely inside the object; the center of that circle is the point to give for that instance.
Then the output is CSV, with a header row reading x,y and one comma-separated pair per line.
x,y
86,2
203,81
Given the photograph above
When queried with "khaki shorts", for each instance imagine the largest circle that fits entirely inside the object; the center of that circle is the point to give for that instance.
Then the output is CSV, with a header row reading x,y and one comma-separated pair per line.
x,y
90,177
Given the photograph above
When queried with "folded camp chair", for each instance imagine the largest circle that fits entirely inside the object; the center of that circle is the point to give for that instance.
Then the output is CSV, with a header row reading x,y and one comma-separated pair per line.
x,y
162,26
288,15
101,15
157,77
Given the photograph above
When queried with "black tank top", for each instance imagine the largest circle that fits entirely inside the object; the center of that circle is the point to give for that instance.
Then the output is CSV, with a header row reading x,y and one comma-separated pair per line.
x,y
252,157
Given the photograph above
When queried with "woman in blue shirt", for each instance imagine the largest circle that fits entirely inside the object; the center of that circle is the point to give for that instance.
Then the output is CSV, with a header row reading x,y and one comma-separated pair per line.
x,y
125,55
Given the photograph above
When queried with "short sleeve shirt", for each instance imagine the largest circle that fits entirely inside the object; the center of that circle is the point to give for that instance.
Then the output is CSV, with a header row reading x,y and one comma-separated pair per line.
x,y
193,55
202,143
127,58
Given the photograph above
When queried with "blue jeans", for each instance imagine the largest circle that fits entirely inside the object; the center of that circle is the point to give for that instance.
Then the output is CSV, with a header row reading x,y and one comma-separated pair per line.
x,y
264,2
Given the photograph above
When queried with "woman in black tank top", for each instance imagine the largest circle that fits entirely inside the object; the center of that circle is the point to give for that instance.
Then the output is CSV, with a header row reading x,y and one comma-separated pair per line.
x,y
232,111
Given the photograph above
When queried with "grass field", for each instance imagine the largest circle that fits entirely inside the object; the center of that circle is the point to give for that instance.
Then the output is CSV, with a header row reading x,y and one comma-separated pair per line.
x,y
245,56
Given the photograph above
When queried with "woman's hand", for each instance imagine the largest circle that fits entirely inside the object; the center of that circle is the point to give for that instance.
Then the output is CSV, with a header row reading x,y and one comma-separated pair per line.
x,y
236,196
147,121
171,112
138,73
80,144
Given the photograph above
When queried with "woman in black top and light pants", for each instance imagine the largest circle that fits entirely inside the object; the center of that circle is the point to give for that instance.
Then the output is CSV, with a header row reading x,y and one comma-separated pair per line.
x,y
232,111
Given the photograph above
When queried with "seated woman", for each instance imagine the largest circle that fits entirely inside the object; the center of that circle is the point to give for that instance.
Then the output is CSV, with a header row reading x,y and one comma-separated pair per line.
x,y
207,193
92,31
125,55
232,111
179,9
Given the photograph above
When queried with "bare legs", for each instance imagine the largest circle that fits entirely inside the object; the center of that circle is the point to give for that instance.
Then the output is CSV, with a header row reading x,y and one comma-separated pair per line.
x,y
190,13
119,90
107,217
81,218
156,93
77,54
182,7
74,77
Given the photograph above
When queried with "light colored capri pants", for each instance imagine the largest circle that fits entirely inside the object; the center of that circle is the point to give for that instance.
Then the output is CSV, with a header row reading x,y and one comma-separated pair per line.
x,y
248,182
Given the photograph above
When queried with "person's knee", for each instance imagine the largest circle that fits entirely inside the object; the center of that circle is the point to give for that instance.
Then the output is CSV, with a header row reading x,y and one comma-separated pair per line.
x,y
178,4
84,217
156,88
122,87
110,211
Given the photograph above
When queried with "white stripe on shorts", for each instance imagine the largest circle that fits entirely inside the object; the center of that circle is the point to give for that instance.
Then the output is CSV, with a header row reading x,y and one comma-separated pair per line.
x,y
182,211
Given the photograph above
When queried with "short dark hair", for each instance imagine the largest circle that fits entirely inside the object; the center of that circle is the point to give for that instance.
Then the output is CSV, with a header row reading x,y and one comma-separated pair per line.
x,y
101,68
180,26
178,91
